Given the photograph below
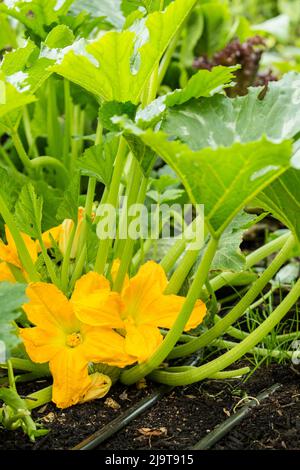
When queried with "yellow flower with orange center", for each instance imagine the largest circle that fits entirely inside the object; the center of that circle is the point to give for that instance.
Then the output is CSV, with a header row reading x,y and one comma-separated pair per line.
x,y
142,309
69,344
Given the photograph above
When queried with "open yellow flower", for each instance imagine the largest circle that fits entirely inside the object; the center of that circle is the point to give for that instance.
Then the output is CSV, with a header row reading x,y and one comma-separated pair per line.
x,y
143,309
69,344
9,255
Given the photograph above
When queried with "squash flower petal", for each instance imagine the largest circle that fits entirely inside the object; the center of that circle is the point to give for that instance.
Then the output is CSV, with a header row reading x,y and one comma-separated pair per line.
x,y
9,254
146,308
95,304
143,308
68,344
99,387
5,273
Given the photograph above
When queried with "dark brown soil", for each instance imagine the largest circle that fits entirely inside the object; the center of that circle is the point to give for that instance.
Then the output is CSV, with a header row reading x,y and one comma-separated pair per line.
x,y
182,418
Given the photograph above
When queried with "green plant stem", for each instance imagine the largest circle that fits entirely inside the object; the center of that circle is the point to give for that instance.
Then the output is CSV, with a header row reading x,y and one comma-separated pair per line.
x,y
92,181
132,191
53,128
166,60
129,245
7,159
180,245
140,254
236,352
49,264
67,137
136,373
66,261
78,268
236,332
45,161
263,252
90,197
27,366
24,255
240,308
228,374
17,273
265,352
150,91
39,398
20,150
27,127
11,377
179,276
88,206
112,199
77,131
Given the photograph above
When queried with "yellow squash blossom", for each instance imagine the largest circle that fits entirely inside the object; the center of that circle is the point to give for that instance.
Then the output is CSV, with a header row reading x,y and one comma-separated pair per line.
x,y
61,234
68,344
143,309
99,387
9,254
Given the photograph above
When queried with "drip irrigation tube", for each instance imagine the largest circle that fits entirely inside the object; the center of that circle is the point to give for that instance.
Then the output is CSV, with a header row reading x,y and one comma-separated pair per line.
x,y
107,431
121,421
224,428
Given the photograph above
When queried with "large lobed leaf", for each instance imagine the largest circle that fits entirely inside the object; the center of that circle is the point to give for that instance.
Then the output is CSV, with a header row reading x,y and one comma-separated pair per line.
x,y
282,199
204,83
28,213
118,65
223,179
11,98
36,15
221,121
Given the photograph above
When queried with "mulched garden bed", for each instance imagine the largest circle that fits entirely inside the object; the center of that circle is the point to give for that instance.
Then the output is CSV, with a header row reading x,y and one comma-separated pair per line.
x,y
180,419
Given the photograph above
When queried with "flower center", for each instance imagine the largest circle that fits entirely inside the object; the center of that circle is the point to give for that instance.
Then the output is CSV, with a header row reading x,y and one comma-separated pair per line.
x,y
74,340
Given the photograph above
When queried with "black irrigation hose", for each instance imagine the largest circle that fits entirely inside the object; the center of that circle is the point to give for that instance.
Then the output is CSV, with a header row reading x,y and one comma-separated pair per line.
x,y
110,429
121,421
224,428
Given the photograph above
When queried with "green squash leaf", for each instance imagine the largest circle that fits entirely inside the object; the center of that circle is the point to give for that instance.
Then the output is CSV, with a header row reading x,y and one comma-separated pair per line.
x,y
117,66
215,177
11,98
68,209
16,414
109,9
203,84
36,15
59,37
12,297
229,256
28,213
221,121
217,27
282,199
97,163
10,187
113,108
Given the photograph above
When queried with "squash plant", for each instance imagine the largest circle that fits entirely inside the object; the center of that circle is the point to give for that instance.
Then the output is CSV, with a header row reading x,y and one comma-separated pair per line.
x,y
87,116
